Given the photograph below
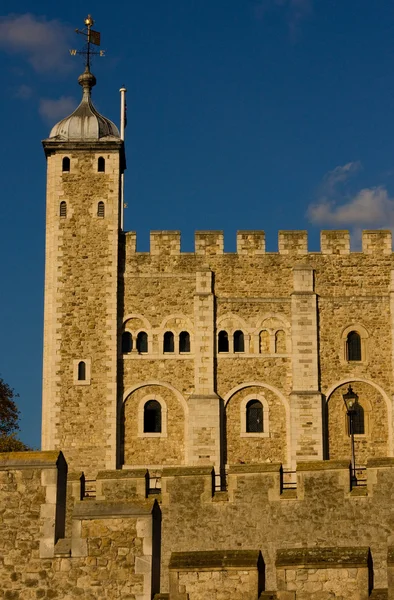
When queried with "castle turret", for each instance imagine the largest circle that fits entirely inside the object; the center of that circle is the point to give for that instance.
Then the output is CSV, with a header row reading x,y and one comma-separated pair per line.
x,y
85,160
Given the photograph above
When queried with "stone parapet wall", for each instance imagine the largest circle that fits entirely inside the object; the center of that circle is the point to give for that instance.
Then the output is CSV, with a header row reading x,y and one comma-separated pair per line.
x,y
252,243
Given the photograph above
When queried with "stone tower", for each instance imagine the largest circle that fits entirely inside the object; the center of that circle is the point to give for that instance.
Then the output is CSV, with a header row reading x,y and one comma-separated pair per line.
x,y
85,160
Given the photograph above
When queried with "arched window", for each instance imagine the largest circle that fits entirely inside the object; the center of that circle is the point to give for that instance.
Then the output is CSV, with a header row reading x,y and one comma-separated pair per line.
x,y
152,417
63,209
101,209
353,346
264,342
142,342
239,342
223,341
66,165
81,371
127,342
184,341
254,417
280,342
101,165
168,342
358,420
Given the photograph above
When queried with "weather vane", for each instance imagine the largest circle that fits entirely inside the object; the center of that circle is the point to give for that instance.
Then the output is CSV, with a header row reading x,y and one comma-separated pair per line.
x,y
92,37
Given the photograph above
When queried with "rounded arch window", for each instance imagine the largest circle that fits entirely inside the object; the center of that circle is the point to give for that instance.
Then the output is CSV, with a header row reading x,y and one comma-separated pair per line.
x,y
254,417
152,417
223,341
168,342
66,164
101,164
184,341
353,346
101,209
239,341
127,342
280,342
81,371
142,342
63,209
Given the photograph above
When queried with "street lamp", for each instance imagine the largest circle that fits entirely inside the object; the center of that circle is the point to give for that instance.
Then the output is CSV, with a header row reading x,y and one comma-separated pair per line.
x,y
351,403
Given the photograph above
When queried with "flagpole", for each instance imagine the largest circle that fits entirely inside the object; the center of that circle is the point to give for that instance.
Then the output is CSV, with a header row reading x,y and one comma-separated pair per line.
x,y
122,128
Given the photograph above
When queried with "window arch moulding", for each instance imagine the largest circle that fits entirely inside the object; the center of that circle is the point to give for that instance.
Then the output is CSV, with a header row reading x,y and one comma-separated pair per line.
x,y
243,407
360,330
77,371
141,413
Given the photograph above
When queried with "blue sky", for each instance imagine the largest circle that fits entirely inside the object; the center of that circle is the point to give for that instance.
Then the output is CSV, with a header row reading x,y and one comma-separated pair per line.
x,y
242,114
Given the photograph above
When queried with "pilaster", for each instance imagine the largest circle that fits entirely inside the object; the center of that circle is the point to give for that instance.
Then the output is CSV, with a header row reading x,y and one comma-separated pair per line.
x,y
204,405
305,401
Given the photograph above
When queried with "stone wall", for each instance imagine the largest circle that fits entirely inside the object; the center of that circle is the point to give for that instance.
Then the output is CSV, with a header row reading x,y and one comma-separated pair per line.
x,y
294,309
326,539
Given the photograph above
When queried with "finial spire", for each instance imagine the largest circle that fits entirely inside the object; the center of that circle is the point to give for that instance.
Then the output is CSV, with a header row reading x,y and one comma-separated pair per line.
x,y
87,80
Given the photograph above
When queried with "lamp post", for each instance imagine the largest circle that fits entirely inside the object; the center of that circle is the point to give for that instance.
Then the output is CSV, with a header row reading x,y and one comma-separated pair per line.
x,y
351,401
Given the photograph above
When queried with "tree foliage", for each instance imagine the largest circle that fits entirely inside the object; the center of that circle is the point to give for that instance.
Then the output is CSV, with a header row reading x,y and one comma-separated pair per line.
x,y
9,417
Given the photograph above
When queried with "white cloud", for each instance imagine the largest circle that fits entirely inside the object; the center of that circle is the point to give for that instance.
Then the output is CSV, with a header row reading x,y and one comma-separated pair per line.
x,y
339,175
44,43
369,207
53,110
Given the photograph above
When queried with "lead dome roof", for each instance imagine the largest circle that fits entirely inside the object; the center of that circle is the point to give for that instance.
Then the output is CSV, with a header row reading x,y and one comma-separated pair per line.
x,y
85,123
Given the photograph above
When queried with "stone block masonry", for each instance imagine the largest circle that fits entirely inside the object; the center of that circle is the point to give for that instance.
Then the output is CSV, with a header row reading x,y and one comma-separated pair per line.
x,y
191,543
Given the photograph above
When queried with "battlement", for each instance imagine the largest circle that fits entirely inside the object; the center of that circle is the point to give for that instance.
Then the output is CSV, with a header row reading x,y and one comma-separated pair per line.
x,y
252,243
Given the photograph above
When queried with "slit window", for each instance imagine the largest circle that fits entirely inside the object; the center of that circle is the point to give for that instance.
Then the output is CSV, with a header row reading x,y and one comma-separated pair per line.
x,y
353,346
63,209
127,342
223,341
81,371
184,341
66,165
254,417
101,210
152,417
168,342
101,165
239,341
142,342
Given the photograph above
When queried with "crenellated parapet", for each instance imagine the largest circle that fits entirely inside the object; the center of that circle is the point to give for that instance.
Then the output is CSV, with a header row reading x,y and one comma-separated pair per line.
x,y
253,243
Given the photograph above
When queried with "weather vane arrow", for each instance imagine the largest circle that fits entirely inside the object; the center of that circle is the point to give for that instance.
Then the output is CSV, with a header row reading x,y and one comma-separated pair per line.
x,y
92,37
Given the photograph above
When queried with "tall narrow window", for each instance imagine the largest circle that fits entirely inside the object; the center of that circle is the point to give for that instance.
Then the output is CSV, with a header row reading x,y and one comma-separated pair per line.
x,y
184,341
358,420
142,342
101,165
63,209
127,342
353,346
223,341
239,341
168,342
101,210
81,371
66,165
152,417
254,417
280,342
264,342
